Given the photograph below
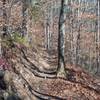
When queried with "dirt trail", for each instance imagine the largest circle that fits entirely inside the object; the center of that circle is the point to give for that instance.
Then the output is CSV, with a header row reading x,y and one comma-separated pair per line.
x,y
39,85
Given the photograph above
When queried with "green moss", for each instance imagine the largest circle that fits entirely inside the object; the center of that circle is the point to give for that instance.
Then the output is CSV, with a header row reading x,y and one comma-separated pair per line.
x,y
16,37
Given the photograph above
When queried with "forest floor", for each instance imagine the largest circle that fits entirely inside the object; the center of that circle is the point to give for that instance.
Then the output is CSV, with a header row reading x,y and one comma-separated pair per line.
x,y
35,79
33,82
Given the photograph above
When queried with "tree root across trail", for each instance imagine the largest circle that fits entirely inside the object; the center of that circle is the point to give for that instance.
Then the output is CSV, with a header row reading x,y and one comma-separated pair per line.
x,y
35,67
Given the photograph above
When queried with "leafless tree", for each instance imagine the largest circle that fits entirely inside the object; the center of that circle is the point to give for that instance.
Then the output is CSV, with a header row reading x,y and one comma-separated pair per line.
x,y
61,40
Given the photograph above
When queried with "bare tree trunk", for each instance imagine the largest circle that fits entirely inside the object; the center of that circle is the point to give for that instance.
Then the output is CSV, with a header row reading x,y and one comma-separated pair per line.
x,y
24,21
7,5
61,40
98,38
4,29
51,25
4,18
78,47
45,31
48,29
48,34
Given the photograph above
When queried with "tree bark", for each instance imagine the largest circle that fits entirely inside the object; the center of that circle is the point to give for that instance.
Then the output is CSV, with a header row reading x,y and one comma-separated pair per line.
x,y
61,40
4,18
98,38
24,20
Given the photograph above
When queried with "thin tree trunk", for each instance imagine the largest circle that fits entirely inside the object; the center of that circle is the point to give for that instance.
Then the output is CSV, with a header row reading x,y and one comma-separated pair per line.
x,y
61,40
4,29
4,18
47,31
24,21
97,37
77,47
